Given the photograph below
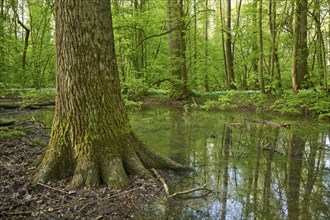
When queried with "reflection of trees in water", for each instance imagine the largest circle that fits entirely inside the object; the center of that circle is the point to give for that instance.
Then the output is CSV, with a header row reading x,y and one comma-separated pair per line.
x,y
295,157
279,175
271,143
257,171
226,145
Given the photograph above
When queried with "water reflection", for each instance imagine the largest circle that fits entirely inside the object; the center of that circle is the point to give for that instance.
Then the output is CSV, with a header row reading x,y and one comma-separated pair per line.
x,y
256,171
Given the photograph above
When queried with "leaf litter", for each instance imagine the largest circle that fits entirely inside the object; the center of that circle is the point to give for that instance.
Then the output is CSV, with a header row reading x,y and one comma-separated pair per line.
x,y
20,198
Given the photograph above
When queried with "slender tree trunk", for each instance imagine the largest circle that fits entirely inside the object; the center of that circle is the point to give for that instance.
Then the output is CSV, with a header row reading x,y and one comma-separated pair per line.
x,y
272,22
223,40
261,51
26,37
255,51
229,53
91,138
140,45
2,38
195,40
320,49
177,47
206,38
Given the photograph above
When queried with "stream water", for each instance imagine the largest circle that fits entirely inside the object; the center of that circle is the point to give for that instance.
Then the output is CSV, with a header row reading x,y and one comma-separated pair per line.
x,y
254,171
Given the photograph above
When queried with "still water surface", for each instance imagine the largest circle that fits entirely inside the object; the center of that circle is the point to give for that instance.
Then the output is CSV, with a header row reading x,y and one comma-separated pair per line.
x,y
255,171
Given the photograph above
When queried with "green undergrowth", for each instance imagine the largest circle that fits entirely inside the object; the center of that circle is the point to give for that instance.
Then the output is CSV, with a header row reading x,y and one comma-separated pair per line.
x,y
28,95
7,134
316,104
309,102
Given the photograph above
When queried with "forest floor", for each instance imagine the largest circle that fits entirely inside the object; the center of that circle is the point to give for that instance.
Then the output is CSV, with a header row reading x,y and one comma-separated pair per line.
x,y
20,198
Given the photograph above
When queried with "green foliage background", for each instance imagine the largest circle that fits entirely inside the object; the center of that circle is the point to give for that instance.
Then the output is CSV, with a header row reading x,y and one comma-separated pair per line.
x,y
141,39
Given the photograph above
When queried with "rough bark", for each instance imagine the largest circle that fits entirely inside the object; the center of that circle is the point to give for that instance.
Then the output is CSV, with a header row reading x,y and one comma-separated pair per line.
x,y
91,138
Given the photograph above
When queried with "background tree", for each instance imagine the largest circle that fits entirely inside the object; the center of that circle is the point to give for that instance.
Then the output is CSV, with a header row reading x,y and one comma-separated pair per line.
x,y
91,138
142,35
2,36
261,50
300,50
229,53
274,68
177,48
42,51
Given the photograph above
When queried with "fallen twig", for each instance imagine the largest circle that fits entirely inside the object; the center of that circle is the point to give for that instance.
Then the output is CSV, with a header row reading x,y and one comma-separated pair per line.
x,y
18,213
109,197
55,189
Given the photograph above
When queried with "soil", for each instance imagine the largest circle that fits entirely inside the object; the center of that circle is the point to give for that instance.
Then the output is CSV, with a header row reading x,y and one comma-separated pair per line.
x,y
20,198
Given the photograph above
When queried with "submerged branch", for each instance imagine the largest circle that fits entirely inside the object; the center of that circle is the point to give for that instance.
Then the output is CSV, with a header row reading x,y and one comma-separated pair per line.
x,y
269,123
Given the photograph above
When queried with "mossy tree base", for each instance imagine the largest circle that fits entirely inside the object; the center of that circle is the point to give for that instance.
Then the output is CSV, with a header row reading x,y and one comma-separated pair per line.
x,y
109,164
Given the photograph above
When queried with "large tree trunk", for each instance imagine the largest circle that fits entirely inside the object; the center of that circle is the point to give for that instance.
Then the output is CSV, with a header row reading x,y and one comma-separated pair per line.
x,y
91,138
177,48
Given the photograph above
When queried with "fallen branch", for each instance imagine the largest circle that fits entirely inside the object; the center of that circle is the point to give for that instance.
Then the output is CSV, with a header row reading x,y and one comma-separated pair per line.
x,y
161,179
